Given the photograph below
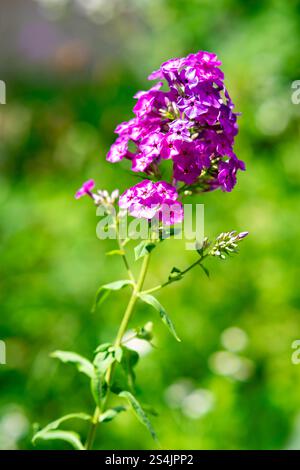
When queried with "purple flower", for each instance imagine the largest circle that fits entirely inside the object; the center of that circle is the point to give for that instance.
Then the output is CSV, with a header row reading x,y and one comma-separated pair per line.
x,y
148,199
227,173
187,166
151,144
142,162
168,147
192,107
149,101
180,129
192,124
86,189
226,176
170,213
118,150
166,191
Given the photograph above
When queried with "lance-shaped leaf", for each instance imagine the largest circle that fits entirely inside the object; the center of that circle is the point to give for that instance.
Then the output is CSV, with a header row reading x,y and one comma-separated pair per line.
x,y
69,436
115,252
139,412
104,291
82,364
149,299
143,248
50,432
103,347
111,413
102,362
104,359
206,271
129,360
98,387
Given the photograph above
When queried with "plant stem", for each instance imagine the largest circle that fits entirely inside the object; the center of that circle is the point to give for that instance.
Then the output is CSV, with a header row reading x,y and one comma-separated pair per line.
x,y
132,301
170,281
124,257
122,329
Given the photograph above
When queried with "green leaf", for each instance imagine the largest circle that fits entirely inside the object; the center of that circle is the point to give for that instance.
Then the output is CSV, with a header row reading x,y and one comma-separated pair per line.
x,y
50,431
98,387
139,412
82,364
104,291
143,248
69,436
111,413
149,299
103,347
129,360
110,348
124,375
175,274
102,362
55,424
206,271
115,252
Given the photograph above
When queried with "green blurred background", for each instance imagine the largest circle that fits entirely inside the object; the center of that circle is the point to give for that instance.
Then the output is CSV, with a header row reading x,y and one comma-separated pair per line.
x,y
71,69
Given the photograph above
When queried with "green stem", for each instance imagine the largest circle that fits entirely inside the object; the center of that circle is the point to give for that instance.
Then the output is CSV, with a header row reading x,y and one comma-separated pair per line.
x,y
182,273
124,257
122,329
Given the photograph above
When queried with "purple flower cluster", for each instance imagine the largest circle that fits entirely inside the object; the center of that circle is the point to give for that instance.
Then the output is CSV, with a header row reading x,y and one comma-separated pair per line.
x,y
148,199
192,124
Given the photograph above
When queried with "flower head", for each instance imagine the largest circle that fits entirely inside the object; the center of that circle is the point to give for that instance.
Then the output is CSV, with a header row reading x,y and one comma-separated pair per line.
x,y
192,124
148,199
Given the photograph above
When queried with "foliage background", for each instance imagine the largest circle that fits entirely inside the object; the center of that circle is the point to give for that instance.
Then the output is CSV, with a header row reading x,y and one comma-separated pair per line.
x,y
71,72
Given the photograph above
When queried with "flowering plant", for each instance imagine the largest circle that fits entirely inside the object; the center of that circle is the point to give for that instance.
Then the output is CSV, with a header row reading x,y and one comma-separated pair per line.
x,y
181,143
